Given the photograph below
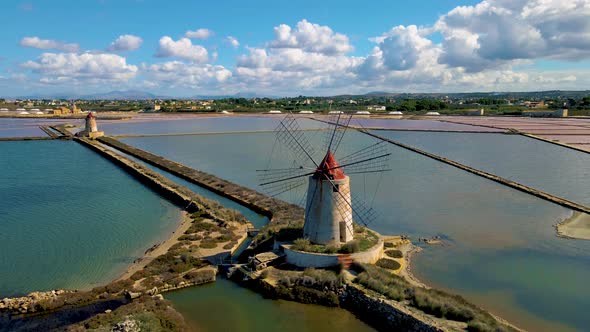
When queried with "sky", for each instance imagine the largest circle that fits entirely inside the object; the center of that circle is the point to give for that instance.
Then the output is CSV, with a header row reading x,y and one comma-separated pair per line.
x,y
289,48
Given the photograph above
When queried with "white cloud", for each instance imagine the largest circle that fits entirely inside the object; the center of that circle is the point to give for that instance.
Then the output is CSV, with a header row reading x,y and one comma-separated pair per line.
x,y
125,43
183,49
199,34
232,41
488,46
176,73
47,44
292,68
311,37
88,67
496,32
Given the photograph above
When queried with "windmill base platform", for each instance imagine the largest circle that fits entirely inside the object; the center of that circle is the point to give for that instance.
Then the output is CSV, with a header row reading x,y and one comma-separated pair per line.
x,y
319,260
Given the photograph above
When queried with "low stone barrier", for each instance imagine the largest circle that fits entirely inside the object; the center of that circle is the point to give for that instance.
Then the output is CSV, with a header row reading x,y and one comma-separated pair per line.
x,y
279,212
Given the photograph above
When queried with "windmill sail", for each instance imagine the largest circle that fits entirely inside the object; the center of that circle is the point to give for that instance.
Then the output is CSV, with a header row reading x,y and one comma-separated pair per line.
x,y
330,206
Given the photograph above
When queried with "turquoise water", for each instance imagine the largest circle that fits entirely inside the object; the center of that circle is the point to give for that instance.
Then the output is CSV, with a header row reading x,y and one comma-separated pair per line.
x,y
256,219
225,306
71,219
549,167
501,250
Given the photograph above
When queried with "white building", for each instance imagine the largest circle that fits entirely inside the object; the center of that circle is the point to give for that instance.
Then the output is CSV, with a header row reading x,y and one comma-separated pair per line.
x,y
274,112
328,220
305,112
395,113
376,108
335,112
363,113
432,113
561,113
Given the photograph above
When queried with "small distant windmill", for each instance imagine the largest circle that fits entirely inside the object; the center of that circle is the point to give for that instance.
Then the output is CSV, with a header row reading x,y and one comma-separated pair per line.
x,y
330,207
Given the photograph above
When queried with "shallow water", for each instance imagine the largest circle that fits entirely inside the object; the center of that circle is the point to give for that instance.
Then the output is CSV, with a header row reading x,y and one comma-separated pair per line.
x,y
552,168
71,219
198,125
225,306
497,238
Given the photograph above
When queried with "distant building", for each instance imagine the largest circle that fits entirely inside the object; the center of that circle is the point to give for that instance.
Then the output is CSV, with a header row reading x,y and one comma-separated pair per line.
x,y
335,112
432,113
395,113
73,110
305,112
476,112
561,113
533,104
363,113
274,112
376,108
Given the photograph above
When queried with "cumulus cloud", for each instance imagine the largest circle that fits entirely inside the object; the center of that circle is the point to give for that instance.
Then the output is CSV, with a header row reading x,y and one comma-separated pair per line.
x,y
311,37
47,44
199,34
232,41
176,73
496,32
125,43
476,48
87,67
183,49
293,68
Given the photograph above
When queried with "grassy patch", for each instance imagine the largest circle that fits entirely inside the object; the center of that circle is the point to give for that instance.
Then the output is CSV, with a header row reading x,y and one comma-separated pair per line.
x,y
430,301
364,239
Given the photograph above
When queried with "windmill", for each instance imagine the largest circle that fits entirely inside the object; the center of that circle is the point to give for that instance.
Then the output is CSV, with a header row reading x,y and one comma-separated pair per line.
x,y
331,208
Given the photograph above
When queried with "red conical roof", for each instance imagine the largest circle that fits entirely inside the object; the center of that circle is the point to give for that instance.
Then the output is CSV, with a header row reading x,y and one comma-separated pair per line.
x,y
330,167
90,115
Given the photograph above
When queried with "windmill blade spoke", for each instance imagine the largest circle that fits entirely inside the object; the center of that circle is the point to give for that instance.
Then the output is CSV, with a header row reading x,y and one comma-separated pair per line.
x,y
285,187
363,213
364,163
270,175
380,170
341,132
290,135
367,152
286,179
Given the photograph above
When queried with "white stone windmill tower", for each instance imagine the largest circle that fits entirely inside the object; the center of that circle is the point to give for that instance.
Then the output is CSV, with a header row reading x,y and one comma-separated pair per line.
x,y
330,207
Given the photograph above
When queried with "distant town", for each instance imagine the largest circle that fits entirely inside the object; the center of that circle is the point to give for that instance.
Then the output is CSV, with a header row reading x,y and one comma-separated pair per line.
x,y
547,103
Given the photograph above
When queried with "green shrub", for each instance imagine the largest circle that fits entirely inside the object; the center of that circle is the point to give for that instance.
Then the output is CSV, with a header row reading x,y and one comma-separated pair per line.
x,y
301,245
208,244
394,253
388,245
229,245
389,264
350,247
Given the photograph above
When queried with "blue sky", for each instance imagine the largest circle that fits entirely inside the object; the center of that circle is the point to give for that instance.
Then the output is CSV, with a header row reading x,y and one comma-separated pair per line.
x,y
327,48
